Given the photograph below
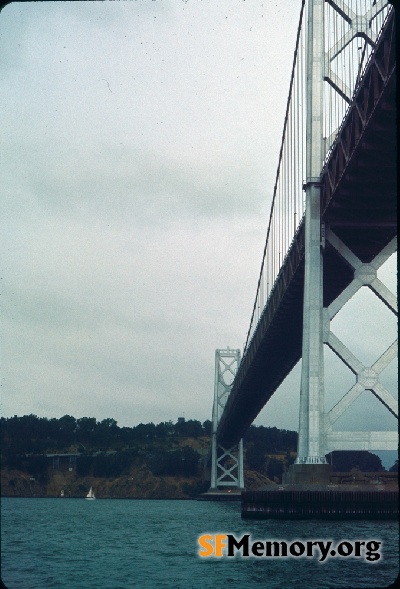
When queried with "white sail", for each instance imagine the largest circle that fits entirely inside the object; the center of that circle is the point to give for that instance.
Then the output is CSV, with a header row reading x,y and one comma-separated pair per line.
x,y
90,495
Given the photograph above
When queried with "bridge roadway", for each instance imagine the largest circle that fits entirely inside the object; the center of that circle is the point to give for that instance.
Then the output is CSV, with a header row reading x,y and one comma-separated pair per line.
x,y
359,181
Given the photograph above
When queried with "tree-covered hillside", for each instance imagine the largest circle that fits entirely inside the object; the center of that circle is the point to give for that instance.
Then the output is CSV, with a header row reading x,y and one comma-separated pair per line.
x,y
39,449
32,434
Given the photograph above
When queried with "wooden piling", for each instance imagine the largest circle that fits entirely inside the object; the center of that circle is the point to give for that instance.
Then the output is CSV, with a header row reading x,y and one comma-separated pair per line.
x,y
327,504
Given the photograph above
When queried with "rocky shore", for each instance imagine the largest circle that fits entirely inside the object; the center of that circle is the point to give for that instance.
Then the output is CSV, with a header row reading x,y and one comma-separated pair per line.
x,y
139,484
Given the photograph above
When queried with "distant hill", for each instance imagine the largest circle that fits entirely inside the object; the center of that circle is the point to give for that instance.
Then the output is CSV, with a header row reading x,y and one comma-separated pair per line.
x,y
43,457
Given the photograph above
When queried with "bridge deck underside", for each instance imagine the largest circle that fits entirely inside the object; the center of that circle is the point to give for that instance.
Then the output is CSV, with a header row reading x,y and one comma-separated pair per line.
x,y
359,205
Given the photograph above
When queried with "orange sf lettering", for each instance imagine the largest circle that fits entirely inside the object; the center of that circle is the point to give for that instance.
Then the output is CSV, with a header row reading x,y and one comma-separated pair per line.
x,y
207,544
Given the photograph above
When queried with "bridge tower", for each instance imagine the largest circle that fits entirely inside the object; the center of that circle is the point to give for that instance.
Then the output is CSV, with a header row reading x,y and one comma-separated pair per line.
x,y
310,442
315,427
226,463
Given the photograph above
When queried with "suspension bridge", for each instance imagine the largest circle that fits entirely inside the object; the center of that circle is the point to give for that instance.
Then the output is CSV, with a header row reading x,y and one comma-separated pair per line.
x,y
332,225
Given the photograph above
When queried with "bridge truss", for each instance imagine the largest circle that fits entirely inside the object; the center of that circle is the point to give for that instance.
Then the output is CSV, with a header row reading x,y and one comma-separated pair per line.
x,y
226,462
320,250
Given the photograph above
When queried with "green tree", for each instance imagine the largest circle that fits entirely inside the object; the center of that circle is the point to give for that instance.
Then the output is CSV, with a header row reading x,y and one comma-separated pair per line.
x,y
207,427
145,432
106,433
273,439
112,465
66,430
164,430
255,458
345,460
189,429
85,429
275,469
181,462
37,466
84,465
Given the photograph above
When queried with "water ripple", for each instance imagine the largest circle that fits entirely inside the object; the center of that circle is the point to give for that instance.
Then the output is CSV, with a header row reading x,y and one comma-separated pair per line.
x,y
121,544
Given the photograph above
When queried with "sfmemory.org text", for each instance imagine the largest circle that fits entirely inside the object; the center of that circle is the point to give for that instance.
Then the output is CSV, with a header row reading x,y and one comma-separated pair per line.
x,y
221,545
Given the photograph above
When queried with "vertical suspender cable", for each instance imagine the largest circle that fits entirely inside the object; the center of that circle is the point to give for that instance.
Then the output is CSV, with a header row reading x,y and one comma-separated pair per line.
x,y
278,171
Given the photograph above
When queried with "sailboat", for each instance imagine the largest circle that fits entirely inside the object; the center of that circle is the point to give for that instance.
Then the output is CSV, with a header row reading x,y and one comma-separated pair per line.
x,y
90,495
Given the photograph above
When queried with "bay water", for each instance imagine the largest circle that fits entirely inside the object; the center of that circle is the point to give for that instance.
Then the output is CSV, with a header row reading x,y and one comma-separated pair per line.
x,y
151,544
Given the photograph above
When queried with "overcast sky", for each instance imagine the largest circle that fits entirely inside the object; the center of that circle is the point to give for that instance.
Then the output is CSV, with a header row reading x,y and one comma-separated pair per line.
x,y
140,145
